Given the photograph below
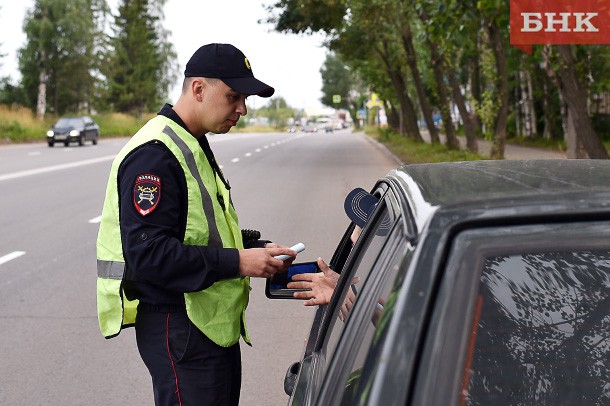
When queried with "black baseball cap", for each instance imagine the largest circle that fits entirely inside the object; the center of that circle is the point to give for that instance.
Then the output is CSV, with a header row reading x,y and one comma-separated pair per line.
x,y
359,205
229,64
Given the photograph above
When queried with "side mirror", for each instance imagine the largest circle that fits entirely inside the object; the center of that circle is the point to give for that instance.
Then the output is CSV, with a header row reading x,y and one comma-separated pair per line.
x,y
276,286
291,378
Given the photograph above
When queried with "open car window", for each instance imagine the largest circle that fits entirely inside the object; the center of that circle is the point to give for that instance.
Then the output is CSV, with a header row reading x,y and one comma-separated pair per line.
x,y
362,262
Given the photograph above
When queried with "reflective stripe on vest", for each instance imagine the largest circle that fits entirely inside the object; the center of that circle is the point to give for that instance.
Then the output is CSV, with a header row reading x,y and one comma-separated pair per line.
x,y
218,311
214,239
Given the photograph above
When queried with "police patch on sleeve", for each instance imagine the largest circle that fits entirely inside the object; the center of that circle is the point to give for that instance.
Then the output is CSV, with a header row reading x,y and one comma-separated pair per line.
x,y
146,193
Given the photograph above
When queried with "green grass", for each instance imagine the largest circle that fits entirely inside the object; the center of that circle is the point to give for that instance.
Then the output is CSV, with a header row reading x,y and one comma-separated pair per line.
x,y
413,152
553,145
19,125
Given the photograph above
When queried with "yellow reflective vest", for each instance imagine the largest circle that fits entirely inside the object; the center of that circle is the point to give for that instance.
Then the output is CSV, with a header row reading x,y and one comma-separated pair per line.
x,y
218,311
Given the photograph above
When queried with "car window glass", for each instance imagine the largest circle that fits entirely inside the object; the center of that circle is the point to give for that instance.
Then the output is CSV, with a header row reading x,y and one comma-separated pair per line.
x,y
364,260
540,331
367,346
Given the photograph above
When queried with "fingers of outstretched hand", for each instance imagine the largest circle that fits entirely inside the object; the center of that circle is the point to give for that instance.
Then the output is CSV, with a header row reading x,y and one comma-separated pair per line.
x,y
299,285
303,277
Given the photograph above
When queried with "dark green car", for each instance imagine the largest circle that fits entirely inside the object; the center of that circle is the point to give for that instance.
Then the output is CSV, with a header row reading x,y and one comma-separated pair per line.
x,y
490,287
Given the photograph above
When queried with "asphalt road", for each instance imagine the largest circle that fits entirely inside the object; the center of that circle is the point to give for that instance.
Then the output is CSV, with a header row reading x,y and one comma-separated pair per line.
x,y
289,186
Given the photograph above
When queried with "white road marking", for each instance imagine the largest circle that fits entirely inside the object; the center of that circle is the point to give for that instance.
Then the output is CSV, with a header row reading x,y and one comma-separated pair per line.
x,y
257,150
235,160
95,220
34,153
11,256
248,154
47,169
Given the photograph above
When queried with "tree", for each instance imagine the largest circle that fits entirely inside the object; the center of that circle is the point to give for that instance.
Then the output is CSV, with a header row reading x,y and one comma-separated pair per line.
x,y
58,62
141,63
584,143
277,111
472,68
339,79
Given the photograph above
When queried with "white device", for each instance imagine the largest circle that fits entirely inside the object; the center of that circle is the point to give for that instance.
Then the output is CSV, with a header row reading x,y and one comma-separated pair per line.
x,y
297,248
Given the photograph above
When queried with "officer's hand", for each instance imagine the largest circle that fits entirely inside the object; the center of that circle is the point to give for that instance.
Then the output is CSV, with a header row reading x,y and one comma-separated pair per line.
x,y
259,262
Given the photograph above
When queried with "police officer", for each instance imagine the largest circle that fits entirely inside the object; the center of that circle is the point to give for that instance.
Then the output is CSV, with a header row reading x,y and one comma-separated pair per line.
x,y
171,258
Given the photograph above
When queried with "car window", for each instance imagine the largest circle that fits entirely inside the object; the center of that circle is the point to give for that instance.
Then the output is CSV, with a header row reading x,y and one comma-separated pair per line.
x,y
541,331
365,259
362,262
367,343
69,122
520,317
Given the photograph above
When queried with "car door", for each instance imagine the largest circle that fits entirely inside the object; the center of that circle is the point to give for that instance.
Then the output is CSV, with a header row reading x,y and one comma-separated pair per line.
x,y
89,128
362,302
522,317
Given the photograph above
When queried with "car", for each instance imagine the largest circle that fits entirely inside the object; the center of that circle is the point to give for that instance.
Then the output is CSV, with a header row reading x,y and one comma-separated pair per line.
x,y
73,129
310,129
328,129
475,283
291,130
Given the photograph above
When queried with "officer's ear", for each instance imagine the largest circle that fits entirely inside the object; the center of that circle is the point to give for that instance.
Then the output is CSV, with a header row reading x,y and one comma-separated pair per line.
x,y
197,88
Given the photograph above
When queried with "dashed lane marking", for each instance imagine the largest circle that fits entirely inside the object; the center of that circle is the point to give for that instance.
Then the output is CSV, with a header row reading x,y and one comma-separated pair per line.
x,y
95,220
11,256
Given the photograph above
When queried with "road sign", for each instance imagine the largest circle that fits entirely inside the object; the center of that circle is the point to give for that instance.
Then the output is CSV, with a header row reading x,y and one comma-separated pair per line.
x,y
336,98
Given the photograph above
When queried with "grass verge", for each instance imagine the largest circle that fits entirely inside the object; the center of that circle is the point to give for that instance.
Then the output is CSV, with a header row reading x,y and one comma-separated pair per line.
x,y
413,152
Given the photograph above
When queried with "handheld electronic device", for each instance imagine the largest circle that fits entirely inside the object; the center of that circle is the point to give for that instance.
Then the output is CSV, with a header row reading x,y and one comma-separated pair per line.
x,y
276,286
297,248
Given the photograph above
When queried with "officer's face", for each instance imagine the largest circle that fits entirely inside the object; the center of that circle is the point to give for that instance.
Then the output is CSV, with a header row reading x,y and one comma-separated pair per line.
x,y
221,107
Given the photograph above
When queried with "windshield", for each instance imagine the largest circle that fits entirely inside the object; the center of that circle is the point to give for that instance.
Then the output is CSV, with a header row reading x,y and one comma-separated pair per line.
x,y
69,122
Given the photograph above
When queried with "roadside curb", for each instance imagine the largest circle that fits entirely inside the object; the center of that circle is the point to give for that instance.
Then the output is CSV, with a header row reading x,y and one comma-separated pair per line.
x,y
382,148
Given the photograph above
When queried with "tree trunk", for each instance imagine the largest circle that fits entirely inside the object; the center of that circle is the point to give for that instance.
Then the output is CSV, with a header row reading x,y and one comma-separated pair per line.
x,y
575,149
497,45
575,96
408,117
407,42
393,117
445,107
475,86
460,102
530,104
41,103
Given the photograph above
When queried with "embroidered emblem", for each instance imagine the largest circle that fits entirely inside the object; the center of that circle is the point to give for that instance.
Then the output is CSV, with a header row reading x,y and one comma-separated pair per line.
x,y
146,193
247,64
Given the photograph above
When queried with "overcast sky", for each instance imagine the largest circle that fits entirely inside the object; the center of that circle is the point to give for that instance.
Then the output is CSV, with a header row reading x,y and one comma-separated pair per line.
x,y
290,63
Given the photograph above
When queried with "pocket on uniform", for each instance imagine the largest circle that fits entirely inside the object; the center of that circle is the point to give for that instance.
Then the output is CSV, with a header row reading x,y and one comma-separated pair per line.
x,y
179,335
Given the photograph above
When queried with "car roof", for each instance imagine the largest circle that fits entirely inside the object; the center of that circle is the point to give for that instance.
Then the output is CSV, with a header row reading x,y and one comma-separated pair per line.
x,y
476,186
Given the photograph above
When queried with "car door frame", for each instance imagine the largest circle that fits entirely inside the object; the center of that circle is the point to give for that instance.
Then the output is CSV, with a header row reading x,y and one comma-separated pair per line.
x,y
311,371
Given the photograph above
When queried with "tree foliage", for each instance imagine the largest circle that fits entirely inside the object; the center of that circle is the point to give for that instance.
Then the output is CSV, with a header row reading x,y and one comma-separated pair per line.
x,y
58,62
427,57
140,66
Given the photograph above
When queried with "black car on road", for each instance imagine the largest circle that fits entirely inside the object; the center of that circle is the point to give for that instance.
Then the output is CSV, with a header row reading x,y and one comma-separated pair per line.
x,y
73,129
475,283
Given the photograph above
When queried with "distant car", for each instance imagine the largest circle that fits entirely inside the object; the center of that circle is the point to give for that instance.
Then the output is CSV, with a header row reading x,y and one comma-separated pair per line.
x,y
310,129
73,129
328,129
291,130
473,283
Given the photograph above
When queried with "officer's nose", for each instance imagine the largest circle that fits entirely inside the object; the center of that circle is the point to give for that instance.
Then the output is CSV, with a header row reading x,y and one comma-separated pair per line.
x,y
241,107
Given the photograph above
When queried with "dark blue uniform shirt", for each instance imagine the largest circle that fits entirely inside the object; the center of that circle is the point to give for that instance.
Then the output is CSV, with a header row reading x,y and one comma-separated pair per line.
x,y
160,268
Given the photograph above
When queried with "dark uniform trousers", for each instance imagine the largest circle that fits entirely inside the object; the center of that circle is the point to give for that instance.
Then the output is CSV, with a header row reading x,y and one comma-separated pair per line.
x,y
187,368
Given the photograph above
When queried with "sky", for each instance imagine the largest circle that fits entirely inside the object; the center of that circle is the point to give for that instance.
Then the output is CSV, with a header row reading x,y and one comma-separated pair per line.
x,y
290,63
